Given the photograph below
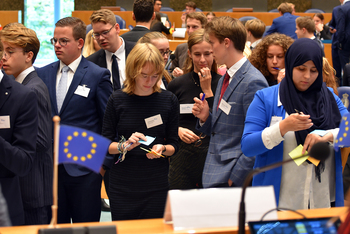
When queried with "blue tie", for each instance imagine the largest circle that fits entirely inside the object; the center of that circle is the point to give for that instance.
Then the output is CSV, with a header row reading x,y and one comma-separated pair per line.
x,y
115,73
62,88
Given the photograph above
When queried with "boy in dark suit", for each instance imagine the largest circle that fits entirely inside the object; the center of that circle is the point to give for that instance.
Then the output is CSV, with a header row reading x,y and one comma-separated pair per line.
x,y
79,91
225,164
36,187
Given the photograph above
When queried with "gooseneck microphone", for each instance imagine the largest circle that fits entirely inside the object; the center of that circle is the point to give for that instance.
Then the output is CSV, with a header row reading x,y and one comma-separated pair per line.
x,y
172,57
320,151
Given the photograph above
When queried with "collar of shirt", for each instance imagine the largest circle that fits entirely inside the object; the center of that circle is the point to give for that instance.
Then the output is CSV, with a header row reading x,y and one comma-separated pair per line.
x,y
313,37
141,26
232,70
255,43
345,1
73,66
1,75
20,78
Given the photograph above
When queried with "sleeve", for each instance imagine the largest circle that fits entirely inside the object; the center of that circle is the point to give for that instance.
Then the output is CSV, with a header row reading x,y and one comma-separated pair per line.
x,y
205,127
172,127
175,62
326,34
104,90
165,29
341,25
272,29
17,156
332,23
255,123
109,128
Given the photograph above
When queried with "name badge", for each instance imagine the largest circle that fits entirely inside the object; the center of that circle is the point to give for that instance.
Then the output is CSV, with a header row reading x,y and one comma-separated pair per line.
x,y
154,121
275,119
186,108
82,90
225,107
4,122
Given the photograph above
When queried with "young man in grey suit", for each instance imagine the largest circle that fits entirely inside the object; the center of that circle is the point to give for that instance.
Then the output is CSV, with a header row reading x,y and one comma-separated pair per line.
x,y
143,14
79,91
225,164
114,50
36,187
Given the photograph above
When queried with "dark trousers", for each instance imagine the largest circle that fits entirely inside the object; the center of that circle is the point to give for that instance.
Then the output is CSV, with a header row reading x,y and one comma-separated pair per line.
x,y
336,64
79,198
344,57
36,216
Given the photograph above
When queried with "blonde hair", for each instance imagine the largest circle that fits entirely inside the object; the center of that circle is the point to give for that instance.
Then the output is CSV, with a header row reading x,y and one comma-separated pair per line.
x,y
328,73
195,38
103,15
89,47
21,36
256,27
140,55
285,7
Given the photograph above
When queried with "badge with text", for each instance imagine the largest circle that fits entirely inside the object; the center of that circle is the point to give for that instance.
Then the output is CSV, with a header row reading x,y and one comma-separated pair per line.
x,y
225,107
5,122
154,121
186,108
275,119
82,90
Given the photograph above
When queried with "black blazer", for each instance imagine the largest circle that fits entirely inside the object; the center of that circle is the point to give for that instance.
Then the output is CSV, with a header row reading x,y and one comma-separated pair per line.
x,y
17,141
36,187
135,34
99,57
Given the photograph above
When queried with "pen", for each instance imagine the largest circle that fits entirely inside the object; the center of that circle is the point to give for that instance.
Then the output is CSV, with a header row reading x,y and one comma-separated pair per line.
x,y
276,68
202,99
152,152
297,111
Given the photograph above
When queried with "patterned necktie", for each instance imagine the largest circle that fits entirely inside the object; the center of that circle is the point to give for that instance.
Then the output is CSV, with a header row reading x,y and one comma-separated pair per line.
x,y
115,73
224,87
62,88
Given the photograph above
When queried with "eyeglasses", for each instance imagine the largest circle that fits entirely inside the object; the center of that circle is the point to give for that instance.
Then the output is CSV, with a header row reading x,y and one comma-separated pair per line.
x,y
7,54
199,141
62,41
163,53
103,34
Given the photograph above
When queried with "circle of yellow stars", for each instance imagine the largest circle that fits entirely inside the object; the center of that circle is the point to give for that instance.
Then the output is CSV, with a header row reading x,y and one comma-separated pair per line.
x,y
345,134
75,157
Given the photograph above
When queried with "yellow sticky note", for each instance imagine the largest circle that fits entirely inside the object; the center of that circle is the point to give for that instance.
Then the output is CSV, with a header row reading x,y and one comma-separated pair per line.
x,y
314,161
296,153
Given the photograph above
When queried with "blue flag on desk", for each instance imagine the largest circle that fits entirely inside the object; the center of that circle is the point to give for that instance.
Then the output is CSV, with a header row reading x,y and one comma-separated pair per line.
x,y
343,138
79,146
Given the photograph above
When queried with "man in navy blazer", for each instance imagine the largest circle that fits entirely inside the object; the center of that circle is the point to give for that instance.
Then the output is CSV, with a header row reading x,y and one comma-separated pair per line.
x,y
343,33
18,133
36,187
87,88
225,164
284,24
106,33
143,14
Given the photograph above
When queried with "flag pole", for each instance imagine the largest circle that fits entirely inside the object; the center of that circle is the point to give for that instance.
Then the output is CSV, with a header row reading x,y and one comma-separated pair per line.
x,y
56,119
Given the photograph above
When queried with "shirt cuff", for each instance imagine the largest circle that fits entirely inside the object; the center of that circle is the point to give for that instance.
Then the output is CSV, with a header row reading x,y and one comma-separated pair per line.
x,y
271,136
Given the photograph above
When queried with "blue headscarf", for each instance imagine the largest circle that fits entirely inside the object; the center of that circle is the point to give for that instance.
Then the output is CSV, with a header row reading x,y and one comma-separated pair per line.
x,y
317,101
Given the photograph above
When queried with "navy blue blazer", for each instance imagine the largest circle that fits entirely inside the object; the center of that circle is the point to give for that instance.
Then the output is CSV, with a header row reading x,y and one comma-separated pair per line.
x,y
343,26
84,112
36,186
333,24
17,141
284,24
225,159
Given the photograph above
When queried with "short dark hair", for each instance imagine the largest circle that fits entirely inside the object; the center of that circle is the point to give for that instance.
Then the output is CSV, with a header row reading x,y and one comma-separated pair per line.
x,y
78,26
143,10
198,16
191,4
319,15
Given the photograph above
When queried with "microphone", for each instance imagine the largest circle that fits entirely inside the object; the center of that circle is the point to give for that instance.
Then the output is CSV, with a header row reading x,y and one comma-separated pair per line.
x,y
172,57
319,151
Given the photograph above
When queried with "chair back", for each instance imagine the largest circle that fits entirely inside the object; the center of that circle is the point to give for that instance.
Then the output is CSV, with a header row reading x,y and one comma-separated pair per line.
x,y
166,9
197,9
274,10
314,10
344,95
120,21
246,18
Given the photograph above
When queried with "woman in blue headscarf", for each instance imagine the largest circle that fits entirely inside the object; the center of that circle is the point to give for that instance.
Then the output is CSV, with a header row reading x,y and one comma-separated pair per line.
x,y
284,116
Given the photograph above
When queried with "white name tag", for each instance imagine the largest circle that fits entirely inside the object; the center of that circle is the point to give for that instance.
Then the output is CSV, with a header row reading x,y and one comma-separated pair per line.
x,y
186,108
4,122
82,91
154,121
225,107
275,119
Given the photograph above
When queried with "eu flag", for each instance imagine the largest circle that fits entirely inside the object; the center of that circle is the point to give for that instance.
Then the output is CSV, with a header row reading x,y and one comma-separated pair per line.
x,y
343,138
79,146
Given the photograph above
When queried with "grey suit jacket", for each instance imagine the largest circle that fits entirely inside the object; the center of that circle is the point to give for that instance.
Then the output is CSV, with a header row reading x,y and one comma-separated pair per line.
x,y
225,159
36,186
180,56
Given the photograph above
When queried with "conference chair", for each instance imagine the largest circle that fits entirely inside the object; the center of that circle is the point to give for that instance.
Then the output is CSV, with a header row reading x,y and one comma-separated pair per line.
x,y
166,9
246,18
314,10
274,10
197,9
344,95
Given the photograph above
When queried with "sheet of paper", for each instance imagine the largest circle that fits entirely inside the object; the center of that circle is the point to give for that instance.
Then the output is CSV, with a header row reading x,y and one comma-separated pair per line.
x,y
319,132
179,32
149,140
295,153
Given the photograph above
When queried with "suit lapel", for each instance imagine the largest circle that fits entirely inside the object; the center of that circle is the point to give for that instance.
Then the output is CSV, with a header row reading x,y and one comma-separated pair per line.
x,y
102,59
28,77
52,85
78,76
5,90
236,79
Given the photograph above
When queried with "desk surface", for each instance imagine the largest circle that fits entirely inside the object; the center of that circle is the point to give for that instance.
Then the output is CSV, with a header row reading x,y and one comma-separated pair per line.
x,y
149,226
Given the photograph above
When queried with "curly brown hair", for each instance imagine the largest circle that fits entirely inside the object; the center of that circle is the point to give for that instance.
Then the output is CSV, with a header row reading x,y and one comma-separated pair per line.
x,y
259,53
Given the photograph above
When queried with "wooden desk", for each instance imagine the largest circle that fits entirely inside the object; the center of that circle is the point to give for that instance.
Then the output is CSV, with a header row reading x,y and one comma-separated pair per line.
x,y
151,226
9,17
